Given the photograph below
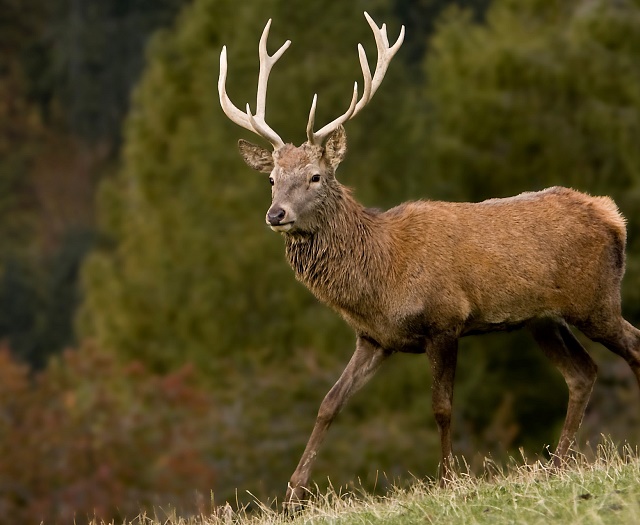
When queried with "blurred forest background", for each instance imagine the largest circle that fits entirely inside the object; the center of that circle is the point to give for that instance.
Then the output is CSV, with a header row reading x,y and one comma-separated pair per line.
x,y
155,345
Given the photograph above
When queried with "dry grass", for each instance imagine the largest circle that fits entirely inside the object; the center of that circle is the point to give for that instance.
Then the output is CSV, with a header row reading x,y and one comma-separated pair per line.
x,y
601,491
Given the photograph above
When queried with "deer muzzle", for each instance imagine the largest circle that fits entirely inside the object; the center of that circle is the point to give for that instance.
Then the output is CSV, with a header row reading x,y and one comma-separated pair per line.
x,y
278,219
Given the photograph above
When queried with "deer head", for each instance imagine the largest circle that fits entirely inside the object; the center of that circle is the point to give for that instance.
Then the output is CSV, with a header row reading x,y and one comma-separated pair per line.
x,y
302,177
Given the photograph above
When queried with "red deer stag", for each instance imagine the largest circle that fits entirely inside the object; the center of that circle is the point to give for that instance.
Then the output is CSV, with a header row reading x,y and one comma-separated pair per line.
x,y
421,275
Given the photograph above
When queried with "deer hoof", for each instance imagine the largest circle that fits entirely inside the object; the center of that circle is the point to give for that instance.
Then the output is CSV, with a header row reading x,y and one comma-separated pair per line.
x,y
295,499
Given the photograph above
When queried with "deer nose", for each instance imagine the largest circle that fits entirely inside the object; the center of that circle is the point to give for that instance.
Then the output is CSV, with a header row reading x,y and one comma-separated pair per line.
x,y
275,216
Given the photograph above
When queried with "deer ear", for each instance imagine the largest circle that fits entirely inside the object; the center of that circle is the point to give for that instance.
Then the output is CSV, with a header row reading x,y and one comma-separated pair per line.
x,y
256,157
336,147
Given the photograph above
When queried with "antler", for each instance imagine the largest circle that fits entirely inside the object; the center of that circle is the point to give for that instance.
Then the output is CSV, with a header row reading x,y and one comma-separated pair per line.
x,y
255,123
385,54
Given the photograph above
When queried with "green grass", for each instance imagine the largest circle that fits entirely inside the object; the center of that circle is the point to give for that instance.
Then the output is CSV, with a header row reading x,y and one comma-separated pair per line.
x,y
601,491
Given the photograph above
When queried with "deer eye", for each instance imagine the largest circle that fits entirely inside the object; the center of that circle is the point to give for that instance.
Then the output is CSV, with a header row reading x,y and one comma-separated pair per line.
x,y
315,178
271,181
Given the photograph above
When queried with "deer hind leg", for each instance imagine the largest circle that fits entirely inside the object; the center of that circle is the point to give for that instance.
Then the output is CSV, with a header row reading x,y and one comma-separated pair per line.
x,y
365,361
443,356
577,368
617,335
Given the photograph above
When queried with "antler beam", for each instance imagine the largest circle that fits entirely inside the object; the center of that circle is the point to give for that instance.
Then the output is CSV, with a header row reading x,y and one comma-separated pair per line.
x,y
255,123
385,54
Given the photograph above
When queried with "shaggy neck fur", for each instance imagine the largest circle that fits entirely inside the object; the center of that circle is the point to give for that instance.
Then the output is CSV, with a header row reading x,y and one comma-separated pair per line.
x,y
345,259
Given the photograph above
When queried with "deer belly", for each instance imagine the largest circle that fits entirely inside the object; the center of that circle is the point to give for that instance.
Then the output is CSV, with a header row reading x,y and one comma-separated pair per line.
x,y
510,312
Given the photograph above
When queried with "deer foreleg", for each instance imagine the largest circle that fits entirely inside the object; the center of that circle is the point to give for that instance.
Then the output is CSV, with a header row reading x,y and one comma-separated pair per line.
x,y
366,359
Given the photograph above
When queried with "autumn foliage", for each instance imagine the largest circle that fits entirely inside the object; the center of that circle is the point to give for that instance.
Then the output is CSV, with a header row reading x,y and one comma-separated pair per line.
x,y
91,437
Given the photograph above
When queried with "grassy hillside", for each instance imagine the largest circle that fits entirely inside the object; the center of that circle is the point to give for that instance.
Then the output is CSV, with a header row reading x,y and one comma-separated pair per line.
x,y
603,490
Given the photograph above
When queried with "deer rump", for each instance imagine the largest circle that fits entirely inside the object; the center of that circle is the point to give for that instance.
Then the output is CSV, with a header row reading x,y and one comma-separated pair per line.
x,y
555,253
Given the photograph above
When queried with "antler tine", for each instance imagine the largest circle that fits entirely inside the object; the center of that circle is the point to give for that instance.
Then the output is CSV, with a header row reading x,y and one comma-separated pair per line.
x,y
257,123
385,54
319,136
266,63
312,119
230,110
366,73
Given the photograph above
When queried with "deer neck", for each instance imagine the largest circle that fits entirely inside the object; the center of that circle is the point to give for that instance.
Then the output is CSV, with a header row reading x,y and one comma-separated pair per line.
x,y
343,260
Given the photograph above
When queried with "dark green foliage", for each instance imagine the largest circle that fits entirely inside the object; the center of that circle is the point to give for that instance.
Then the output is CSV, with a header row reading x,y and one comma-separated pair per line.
x,y
420,16
37,305
67,68
95,54
21,306
62,293
20,299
